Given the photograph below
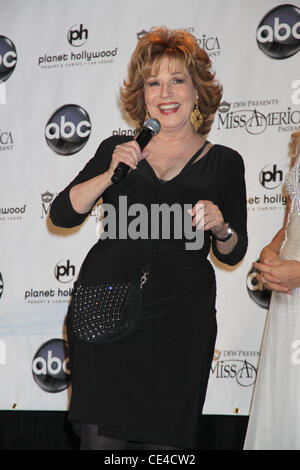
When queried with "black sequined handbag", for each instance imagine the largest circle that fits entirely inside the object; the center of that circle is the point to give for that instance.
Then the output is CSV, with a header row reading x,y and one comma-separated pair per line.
x,y
107,311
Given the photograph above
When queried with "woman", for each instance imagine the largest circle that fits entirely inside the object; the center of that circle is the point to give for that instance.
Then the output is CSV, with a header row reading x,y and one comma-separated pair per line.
x,y
149,385
275,412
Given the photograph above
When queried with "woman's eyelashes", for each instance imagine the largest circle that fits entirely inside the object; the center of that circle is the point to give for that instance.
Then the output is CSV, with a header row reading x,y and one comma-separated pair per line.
x,y
175,81
178,81
153,83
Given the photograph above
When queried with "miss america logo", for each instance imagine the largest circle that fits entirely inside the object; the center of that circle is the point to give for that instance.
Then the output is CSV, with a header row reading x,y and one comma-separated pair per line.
x,y
255,122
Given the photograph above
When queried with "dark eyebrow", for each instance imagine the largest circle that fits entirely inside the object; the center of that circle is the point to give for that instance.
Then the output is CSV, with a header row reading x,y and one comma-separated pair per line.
x,y
182,72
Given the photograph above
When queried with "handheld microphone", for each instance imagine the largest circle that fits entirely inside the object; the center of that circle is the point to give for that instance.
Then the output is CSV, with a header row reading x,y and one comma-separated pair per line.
x,y
150,128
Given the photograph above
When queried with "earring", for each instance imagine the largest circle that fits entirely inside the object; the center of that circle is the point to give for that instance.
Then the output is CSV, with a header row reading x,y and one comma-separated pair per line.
x,y
147,115
196,117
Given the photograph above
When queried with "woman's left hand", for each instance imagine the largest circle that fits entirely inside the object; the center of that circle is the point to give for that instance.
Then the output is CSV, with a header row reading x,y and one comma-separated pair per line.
x,y
283,275
207,216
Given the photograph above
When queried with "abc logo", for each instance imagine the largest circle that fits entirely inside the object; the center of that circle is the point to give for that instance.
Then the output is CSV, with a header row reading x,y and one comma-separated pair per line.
x,y
68,129
8,58
256,290
50,366
278,34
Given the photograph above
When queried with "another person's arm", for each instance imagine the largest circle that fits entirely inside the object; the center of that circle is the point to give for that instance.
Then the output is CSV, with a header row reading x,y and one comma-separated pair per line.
x,y
276,274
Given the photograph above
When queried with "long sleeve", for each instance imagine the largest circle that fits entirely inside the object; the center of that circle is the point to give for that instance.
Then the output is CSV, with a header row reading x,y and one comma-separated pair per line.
x,y
62,212
234,207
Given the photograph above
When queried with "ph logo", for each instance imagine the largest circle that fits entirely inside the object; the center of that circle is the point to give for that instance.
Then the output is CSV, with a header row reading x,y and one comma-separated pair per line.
x,y
68,129
270,177
278,33
77,35
64,271
8,58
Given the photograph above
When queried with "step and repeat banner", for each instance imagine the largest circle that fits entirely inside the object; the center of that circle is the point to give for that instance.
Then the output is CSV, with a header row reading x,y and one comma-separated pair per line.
x,y
61,66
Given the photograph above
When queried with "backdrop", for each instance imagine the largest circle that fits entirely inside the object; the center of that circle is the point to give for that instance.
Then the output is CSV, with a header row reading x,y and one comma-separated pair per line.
x,y
61,66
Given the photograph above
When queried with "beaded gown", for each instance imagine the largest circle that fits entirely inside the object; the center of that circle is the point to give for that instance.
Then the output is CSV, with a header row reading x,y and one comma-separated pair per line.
x,y
275,412
150,385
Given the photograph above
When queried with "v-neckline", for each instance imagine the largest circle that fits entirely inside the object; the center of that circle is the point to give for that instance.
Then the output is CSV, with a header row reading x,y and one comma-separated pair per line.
x,y
188,163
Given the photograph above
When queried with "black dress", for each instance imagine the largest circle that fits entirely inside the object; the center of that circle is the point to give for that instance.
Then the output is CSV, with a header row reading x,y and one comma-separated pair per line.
x,y
150,386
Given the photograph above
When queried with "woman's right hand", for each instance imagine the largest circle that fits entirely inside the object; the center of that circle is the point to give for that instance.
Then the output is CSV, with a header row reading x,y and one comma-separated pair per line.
x,y
129,153
84,195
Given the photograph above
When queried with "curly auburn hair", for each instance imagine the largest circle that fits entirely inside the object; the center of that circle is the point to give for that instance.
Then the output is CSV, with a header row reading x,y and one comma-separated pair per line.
x,y
182,47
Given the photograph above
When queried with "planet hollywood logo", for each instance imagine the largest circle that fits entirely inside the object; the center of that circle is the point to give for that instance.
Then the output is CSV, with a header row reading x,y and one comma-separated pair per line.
x,y
77,36
68,129
8,58
45,296
271,177
50,366
267,202
278,33
246,115
64,271
236,365
12,213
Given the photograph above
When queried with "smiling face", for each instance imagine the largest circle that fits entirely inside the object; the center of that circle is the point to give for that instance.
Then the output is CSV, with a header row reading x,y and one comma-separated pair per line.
x,y
170,95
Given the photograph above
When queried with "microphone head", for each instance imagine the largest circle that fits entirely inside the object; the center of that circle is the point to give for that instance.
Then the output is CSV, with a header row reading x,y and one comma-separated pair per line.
x,y
153,125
